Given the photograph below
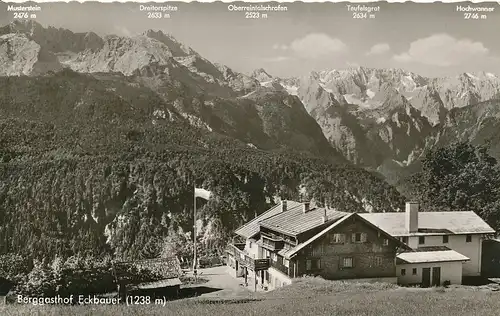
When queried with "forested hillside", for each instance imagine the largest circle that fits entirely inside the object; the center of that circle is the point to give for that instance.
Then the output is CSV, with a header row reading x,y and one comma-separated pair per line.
x,y
86,169
458,177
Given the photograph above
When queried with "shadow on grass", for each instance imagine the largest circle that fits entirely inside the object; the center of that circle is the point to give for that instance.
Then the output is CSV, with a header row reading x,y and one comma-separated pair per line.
x,y
475,280
5,286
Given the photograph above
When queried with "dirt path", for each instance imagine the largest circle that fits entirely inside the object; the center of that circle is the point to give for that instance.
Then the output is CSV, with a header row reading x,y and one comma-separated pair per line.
x,y
221,284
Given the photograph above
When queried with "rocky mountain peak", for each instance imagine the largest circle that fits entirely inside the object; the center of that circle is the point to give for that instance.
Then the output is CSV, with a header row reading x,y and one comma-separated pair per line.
x,y
178,49
261,75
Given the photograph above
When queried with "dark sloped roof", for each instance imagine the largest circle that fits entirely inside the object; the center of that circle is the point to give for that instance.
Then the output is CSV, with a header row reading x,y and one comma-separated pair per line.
x,y
251,228
165,267
294,221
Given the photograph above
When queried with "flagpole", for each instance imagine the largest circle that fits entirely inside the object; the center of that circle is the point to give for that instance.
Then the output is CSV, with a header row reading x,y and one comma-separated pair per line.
x,y
194,233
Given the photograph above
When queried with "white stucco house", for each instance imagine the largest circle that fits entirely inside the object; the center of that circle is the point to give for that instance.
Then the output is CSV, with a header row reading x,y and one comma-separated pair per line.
x,y
430,267
446,245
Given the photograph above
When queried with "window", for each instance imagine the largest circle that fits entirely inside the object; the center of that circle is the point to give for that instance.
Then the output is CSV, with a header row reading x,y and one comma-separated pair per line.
x,y
313,264
403,271
414,271
421,240
286,263
386,242
377,261
445,239
317,250
468,238
405,239
337,239
266,253
359,237
274,257
250,245
347,263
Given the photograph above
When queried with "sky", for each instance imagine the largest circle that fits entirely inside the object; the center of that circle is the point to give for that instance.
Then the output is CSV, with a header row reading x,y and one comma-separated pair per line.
x,y
429,39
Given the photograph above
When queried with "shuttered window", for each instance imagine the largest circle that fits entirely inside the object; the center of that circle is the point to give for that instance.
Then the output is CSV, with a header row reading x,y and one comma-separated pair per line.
x,y
313,264
377,261
347,262
359,237
317,250
337,239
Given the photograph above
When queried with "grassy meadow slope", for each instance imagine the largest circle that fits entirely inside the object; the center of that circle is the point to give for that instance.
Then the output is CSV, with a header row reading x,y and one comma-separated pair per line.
x,y
309,297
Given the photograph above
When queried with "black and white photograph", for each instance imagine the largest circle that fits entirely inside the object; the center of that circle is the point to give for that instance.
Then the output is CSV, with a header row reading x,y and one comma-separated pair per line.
x,y
246,158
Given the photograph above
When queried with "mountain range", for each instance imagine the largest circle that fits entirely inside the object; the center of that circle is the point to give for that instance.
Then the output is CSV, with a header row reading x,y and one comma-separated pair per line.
x,y
381,119
385,119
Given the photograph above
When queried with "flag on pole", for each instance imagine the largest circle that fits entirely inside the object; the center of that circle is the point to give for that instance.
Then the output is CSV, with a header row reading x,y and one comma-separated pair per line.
x,y
202,193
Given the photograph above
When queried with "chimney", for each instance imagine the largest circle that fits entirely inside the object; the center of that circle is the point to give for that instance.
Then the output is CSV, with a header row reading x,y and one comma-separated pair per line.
x,y
411,217
324,218
306,207
283,205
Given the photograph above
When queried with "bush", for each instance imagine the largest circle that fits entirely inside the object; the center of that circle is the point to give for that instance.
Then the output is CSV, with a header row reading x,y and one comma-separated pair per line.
x,y
79,276
14,267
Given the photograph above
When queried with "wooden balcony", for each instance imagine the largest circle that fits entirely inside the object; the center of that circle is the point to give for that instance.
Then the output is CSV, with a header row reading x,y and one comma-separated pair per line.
x,y
245,260
272,244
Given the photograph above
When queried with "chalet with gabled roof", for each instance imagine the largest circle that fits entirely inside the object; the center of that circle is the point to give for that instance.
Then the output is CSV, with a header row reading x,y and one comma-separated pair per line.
x,y
295,239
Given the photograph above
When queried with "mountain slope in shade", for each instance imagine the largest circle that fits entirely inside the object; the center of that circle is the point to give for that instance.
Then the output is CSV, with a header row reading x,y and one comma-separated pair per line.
x,y
478,123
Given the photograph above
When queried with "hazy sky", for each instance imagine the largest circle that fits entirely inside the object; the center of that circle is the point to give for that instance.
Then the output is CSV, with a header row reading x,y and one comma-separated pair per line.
x,y
430,39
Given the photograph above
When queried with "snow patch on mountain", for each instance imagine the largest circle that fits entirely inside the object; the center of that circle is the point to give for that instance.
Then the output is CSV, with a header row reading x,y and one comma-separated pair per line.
x,y
370,93
196,121
292,90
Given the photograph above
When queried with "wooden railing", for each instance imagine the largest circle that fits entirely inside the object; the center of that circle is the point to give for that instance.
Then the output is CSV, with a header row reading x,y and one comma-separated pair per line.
x,y
272,243
245,260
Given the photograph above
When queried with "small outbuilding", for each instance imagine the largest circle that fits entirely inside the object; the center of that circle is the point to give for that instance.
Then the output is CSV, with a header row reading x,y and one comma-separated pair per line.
x,y
427,268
